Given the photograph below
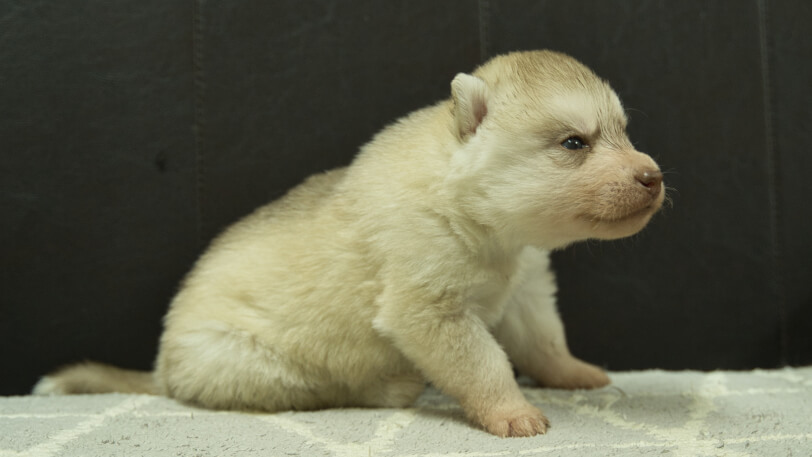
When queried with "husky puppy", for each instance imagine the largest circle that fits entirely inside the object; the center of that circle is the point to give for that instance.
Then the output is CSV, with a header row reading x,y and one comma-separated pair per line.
x,y
425,260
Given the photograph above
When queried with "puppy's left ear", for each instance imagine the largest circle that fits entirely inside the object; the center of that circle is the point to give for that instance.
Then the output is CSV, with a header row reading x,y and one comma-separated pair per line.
x,y
470,96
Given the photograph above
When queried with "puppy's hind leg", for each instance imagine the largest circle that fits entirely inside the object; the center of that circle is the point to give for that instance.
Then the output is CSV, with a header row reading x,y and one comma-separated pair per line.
x,y
533,335
214,365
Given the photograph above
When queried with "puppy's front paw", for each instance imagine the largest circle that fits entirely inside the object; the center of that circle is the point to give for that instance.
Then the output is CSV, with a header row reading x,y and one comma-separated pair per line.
x,y
523,421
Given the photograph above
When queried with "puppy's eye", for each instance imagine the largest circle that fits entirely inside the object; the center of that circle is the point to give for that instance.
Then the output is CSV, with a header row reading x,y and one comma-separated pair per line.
x,y
574,142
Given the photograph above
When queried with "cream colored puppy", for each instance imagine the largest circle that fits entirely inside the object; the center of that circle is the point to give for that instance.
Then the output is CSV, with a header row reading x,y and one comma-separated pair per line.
x,y
424,260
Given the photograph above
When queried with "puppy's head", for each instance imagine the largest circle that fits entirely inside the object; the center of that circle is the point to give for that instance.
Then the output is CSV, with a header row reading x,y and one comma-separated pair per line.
x,y
544,157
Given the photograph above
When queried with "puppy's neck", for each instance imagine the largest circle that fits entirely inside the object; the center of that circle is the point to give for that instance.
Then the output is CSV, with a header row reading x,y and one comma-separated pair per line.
x,y
482,242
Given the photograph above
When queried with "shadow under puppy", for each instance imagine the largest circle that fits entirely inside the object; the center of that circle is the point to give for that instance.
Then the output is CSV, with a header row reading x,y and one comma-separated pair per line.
x,y
424,260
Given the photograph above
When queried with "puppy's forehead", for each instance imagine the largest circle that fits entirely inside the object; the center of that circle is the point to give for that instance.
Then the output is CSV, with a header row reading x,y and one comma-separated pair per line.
x,y
586,111
577,110
549,86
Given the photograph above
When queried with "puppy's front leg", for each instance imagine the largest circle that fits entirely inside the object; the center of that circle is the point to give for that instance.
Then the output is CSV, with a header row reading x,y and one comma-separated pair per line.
x,y
455,351
533,335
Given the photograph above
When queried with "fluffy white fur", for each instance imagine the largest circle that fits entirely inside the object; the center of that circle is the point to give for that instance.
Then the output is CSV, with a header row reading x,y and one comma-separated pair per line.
x,y
424,260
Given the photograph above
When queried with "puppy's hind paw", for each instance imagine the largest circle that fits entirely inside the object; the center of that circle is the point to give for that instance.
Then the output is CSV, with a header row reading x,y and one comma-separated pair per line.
x,y
526,421
572,373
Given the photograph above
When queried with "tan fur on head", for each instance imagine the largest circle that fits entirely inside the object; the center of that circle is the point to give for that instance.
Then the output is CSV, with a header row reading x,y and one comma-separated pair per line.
x,y
424,260
536,101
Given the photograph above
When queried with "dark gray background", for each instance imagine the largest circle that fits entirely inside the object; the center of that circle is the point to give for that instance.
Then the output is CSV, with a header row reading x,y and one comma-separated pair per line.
x,y
133,131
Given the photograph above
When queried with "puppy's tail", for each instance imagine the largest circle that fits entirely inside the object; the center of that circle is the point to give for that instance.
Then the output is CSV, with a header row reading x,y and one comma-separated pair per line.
x,y
95,378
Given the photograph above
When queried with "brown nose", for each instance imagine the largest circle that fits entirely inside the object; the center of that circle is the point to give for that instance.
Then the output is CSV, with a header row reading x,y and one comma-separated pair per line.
x,y
651,179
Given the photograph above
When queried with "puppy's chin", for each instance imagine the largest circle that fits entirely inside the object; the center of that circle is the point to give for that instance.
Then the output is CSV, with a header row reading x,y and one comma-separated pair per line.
x,y
603,228
620,228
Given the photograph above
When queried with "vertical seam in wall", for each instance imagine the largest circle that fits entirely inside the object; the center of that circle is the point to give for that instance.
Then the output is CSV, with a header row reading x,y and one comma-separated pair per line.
x,y
776,279
199,114
484,30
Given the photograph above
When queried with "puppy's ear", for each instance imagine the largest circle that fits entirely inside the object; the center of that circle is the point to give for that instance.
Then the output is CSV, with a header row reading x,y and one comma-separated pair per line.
x,y
470,96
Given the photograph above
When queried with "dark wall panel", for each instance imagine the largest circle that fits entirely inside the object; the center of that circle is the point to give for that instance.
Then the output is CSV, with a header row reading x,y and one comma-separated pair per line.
x,y
790,51
684,292
96,180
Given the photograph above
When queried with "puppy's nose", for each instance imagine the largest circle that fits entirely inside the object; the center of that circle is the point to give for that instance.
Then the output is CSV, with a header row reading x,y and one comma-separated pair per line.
x,y
651,179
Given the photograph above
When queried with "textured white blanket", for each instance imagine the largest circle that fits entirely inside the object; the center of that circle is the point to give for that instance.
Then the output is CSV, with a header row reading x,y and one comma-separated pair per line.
x,y
758,413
